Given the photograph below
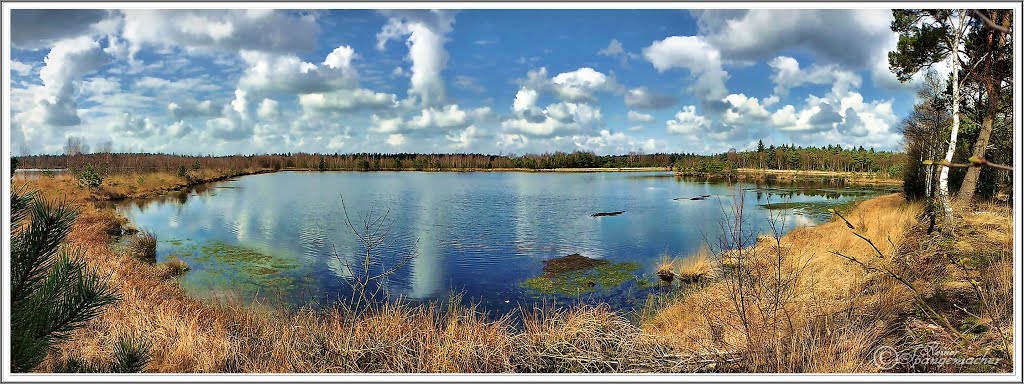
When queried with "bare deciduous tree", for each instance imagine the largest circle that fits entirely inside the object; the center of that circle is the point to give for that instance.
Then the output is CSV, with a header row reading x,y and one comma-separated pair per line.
x,y
369,270
75,146
106,147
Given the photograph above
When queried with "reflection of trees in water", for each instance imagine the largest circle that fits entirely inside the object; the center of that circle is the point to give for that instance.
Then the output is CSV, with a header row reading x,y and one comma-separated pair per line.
x,y
179,197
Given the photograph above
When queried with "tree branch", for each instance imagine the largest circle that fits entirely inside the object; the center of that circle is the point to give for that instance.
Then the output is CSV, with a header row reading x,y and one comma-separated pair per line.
x,y
974,162
989,23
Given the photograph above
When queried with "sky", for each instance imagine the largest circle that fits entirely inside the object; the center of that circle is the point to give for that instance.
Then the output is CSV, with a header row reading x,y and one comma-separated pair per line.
x,y
442,81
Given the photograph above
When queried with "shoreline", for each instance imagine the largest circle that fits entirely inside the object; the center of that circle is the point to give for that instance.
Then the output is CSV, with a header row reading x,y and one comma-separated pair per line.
x,y
791,175
185,186
859,178
745,175
469,170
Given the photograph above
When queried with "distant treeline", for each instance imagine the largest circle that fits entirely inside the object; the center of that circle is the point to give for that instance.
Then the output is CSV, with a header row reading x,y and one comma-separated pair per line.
x,y
144,162
790,157
785,157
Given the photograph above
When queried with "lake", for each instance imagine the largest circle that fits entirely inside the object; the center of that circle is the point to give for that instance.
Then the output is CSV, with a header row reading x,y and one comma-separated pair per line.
x,y
283,236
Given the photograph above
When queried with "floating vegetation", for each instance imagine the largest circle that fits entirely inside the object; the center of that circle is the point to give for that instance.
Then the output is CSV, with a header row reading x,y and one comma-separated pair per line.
x,y
844,192
173,242
222,263
569,263
818,208
575,274
827,192
645,281
653,176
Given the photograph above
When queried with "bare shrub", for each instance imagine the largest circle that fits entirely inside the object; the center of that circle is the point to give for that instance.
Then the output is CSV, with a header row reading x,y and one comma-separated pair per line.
x,y
369,270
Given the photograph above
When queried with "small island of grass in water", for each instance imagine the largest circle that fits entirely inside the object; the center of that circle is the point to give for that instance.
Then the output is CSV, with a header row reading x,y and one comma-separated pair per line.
x,y
576,274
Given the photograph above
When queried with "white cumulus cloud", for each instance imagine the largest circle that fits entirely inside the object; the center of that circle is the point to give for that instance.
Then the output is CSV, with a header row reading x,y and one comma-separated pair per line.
x,y
426,31
695,54
687,122
641,117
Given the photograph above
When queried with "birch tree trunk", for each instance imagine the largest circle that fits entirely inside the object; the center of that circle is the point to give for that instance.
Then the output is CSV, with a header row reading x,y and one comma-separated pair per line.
x,y
943,187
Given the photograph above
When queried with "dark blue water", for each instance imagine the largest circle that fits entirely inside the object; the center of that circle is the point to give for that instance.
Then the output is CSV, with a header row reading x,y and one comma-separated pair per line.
x,y
284,235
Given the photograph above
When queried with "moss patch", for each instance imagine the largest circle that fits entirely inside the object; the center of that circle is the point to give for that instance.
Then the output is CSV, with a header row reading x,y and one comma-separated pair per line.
x,y
575,274
218,263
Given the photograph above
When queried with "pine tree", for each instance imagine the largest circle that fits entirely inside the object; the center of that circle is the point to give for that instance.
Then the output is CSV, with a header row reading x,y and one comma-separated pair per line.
x,y
995,70
52,291
130,355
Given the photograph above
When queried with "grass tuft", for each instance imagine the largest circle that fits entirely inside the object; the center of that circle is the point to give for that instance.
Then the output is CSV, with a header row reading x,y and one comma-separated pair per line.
x,y
690,269
142,245
173,268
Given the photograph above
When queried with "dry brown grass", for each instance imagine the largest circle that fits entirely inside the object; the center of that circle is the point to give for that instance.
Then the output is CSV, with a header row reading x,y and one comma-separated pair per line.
x,y
593,339
134,185
820,295
797,307
689,269
118,186
173,267
141,245
973,288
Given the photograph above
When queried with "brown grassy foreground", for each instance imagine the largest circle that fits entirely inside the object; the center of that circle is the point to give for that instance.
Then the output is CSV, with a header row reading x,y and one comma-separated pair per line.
x,y
799,309
790,304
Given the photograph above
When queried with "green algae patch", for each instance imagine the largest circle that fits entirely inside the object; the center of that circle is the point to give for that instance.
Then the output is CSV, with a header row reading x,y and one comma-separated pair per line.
x,y
173,242
251,261
575,274
223,252
813,207
219,264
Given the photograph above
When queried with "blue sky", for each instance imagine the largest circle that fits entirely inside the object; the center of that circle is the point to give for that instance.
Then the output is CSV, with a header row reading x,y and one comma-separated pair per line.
x,y
490,81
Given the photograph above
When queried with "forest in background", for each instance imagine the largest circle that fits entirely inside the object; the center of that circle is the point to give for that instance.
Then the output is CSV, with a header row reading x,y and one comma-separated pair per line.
x,y
785,157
